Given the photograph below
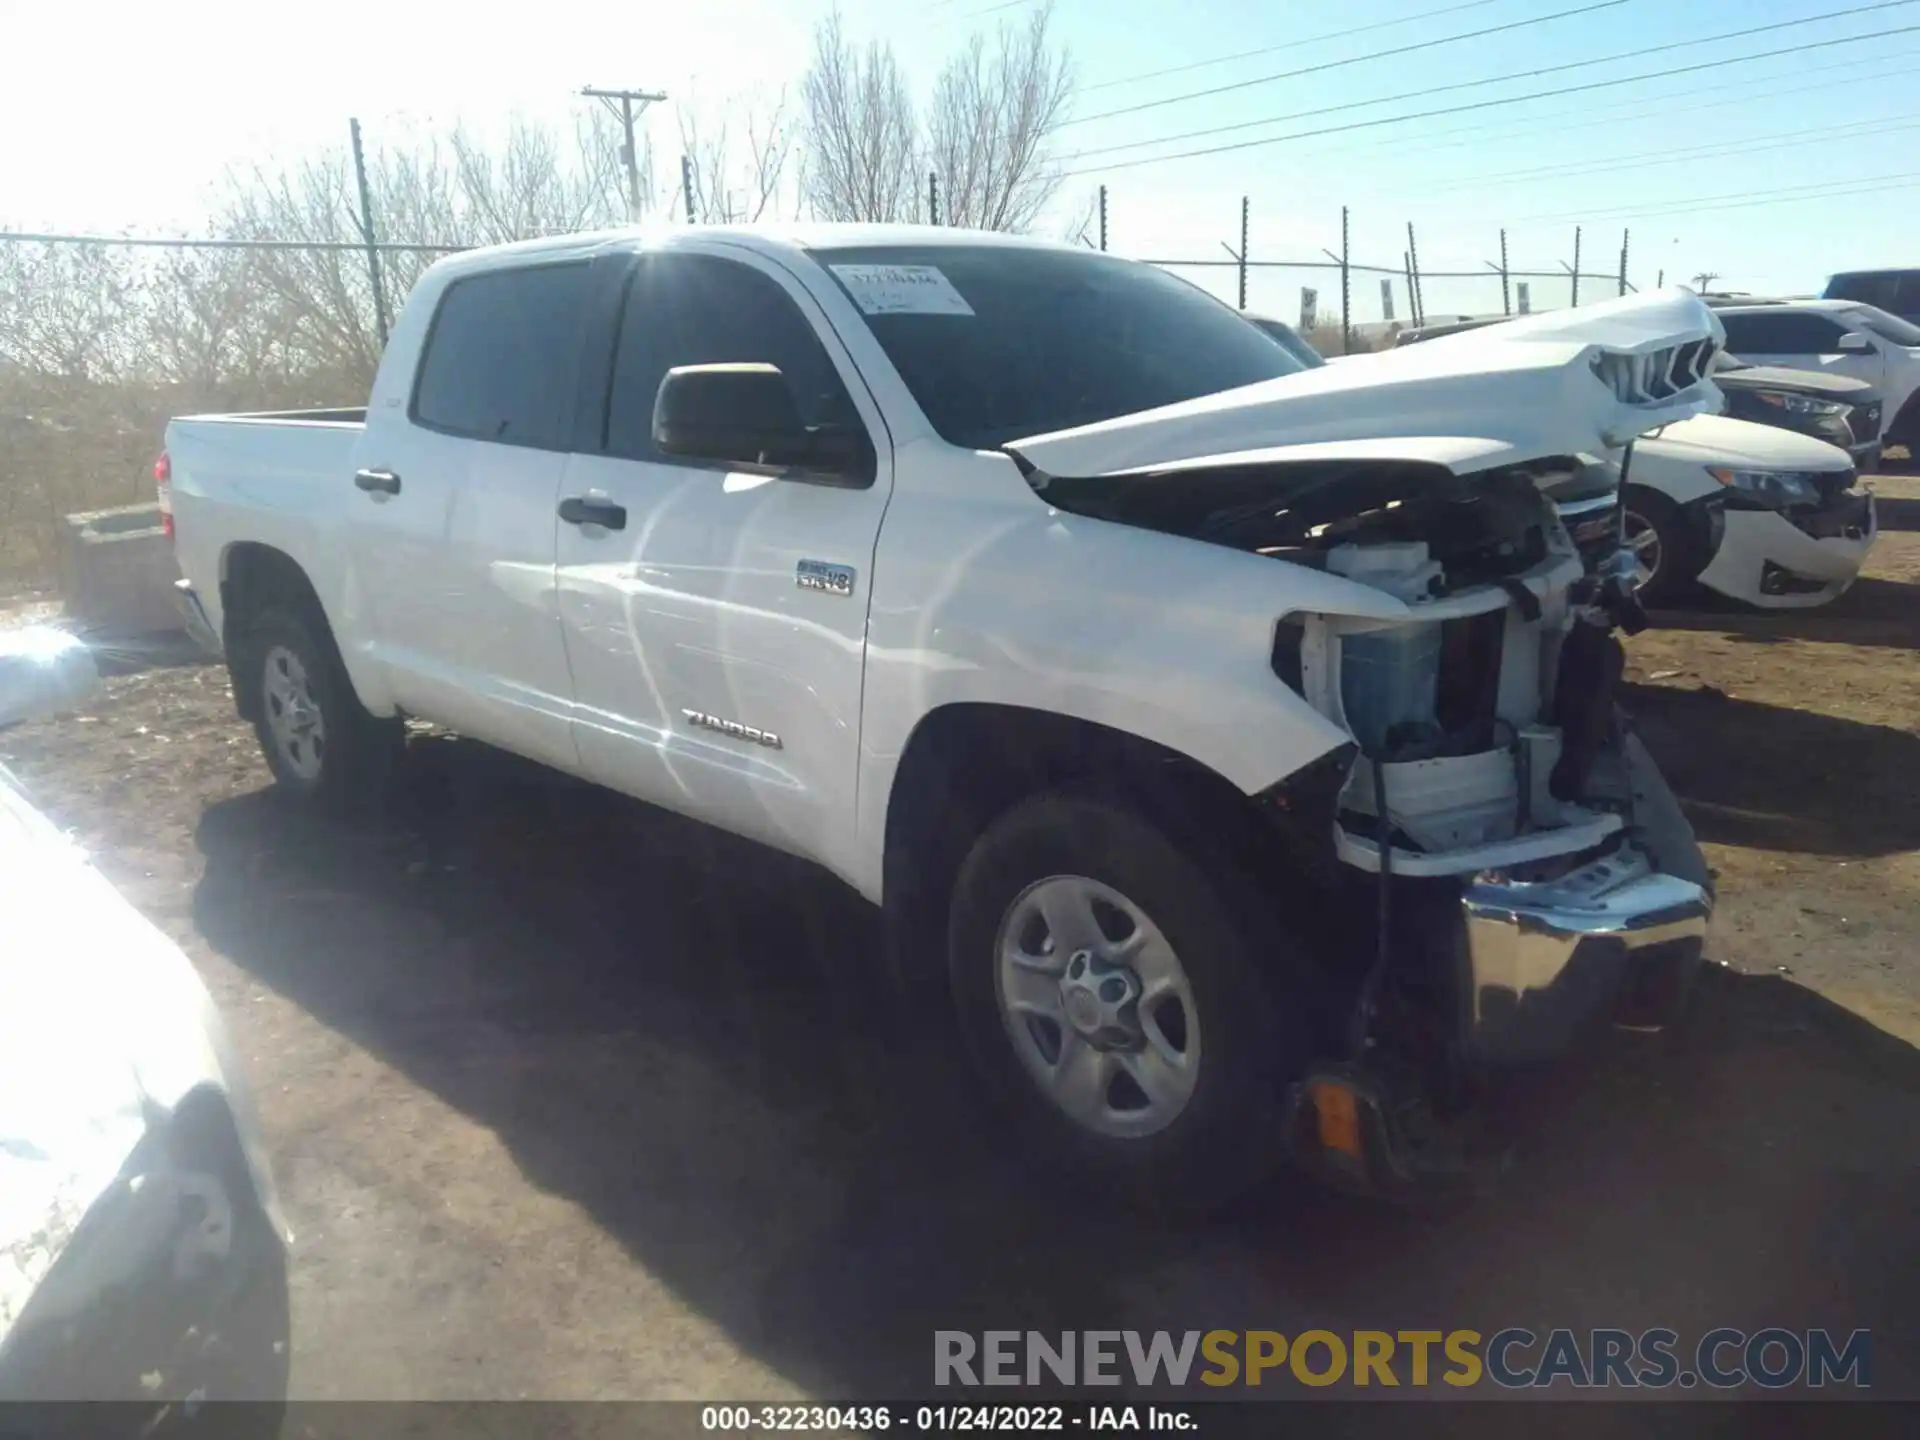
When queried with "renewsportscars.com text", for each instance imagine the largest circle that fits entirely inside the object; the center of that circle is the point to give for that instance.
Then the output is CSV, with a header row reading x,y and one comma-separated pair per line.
x,y
1515,1358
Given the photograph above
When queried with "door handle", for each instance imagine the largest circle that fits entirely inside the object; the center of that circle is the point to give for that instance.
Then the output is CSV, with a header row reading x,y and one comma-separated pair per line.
x,y
383,481
593,510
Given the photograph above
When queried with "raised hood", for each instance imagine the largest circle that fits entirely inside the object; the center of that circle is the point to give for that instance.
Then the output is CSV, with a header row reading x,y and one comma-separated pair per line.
x,y
1575,381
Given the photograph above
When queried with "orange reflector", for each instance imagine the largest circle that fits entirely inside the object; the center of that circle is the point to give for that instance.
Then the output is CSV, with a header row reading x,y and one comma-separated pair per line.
x,y
1338,1114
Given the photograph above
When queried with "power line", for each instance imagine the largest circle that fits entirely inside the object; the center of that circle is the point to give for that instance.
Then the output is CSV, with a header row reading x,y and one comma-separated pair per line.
x,y
1639,102
1817,190
1720,149
1478,104
1533,74
1291,45
1356,60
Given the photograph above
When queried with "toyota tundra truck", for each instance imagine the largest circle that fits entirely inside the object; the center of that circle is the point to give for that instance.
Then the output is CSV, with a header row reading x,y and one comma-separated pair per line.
x,y
1231,746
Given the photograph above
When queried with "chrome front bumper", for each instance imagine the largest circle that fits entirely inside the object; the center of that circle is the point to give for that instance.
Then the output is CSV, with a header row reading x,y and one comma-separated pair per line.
x,y
1616,939
193,616
1619,938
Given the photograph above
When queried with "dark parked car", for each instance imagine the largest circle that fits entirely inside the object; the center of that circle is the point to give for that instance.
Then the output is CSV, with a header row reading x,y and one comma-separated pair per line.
x,y
1896,291
1287,338
1835,408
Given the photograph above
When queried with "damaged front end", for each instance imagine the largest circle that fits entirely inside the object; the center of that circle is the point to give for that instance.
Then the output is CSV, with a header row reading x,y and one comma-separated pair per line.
x,y
1510,866
1514,870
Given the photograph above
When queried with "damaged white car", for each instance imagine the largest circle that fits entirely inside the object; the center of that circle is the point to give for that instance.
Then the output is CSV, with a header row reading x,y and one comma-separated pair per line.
x,y
1757,513
141,1249
1231,746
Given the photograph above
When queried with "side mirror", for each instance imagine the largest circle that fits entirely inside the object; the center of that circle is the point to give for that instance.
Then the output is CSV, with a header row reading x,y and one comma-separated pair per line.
x,y
1854,343
43,671
746,413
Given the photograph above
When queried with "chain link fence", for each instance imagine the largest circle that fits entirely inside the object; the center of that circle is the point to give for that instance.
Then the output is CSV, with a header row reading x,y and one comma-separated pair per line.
x,y
103,338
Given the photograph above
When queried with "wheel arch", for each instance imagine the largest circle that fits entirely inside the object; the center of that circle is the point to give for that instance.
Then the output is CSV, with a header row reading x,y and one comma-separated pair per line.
x,y
967,762
255,577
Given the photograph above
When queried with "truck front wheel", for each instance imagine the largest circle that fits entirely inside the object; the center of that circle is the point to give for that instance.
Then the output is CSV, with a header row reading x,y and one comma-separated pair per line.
x,y
320,742
1124,1002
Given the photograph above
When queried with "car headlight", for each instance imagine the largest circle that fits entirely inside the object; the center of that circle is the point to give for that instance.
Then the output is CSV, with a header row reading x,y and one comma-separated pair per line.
x,y
1770,487
1799,404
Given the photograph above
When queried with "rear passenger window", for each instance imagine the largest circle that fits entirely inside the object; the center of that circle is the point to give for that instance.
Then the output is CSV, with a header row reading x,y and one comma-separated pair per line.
x,y
702,310
501,356
1781,332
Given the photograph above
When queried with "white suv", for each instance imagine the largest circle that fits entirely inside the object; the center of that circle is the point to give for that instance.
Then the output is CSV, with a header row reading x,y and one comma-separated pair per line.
x,y
1839,337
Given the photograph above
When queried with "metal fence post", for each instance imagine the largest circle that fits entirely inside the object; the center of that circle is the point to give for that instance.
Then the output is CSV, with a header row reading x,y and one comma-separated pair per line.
x,y
1243,252
1103,217
367,234
1419,301
1346,289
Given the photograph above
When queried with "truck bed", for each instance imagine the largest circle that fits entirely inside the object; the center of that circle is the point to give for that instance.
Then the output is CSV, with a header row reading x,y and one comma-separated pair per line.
x,y
281,479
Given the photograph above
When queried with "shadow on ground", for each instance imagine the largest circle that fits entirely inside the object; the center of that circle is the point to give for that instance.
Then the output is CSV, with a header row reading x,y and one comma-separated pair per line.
x,y
1897,512
1772,778
1873,612
687,1036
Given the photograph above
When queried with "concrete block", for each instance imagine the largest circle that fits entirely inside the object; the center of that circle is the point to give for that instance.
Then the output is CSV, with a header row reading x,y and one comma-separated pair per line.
x,y
117,571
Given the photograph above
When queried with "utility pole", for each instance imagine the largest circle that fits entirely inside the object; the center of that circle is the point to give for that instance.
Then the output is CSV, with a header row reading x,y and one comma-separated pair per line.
x,y
367,234
1625,236
1704,279
933,197
686,184
1506,287
1103,217
621,103
1243,252
1417,300
1346,287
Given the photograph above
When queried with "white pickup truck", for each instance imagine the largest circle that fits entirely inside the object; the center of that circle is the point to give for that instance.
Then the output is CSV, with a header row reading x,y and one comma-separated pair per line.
x,y
1230,745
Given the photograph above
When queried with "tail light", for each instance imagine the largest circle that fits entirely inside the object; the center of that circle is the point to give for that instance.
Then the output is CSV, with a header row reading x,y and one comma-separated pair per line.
x,y
163,481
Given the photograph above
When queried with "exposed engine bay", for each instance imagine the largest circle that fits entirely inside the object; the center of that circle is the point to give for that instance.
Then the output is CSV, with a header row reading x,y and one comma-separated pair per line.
x,y
1481,715
1490,776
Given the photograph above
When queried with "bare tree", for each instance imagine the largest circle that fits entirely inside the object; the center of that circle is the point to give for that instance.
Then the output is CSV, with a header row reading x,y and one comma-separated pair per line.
x,y
64,309
859,131
433,194
739,182
206,330
995,109
538,185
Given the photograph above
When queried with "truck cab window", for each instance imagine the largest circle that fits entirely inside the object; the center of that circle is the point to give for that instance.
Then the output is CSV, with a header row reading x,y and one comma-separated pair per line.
x,y
702,310
501,355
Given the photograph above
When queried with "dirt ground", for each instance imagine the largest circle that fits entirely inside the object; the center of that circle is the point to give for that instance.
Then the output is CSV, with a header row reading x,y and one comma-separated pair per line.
x,y
571,1099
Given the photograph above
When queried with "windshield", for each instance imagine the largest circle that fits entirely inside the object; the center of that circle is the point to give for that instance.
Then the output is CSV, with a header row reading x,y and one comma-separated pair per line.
x,y
997,343
1887,327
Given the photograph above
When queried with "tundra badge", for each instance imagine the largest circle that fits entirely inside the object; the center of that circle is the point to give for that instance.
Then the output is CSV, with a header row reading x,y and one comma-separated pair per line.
x,y
822,575
733,728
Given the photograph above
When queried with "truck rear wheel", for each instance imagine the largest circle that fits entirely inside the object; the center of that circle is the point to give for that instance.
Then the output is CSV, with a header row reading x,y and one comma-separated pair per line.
x,y
322,745
1123,1002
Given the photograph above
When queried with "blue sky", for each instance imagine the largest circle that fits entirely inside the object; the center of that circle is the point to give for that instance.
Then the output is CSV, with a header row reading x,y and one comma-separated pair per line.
x,y
136,134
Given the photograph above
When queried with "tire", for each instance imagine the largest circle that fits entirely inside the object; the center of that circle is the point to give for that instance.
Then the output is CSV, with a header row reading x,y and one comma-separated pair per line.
x,y
1663,534
1242,1028
329,751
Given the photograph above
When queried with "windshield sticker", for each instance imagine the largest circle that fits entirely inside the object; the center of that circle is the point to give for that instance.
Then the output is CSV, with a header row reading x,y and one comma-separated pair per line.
x,y
902,290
